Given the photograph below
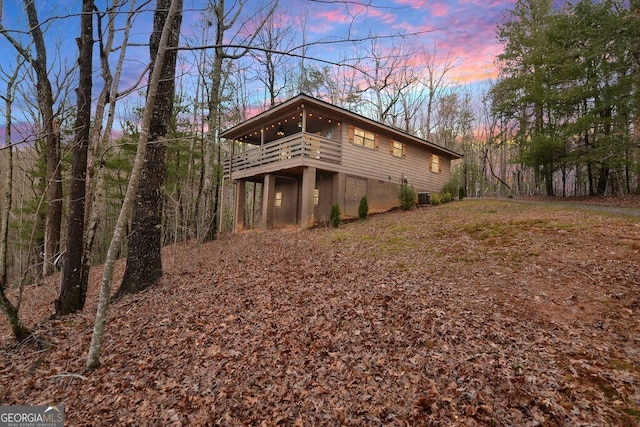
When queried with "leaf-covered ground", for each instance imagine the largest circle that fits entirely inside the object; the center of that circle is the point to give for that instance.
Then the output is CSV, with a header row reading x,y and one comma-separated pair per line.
x,y
472,313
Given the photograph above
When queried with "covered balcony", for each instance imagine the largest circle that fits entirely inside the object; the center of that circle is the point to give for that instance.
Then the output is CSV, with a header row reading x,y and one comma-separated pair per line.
x,y
289,152
293,152
290,136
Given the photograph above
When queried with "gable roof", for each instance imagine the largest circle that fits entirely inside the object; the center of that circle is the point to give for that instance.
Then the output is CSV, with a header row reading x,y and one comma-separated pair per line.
x,y
296,103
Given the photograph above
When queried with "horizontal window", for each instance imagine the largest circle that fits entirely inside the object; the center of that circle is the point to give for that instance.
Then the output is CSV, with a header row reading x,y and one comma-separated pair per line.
x,y
364,138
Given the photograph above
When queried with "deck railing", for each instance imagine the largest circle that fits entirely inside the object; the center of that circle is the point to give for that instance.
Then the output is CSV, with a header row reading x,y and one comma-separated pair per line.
x,y
286,150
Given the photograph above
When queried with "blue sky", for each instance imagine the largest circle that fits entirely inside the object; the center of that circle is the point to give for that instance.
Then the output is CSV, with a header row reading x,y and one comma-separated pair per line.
x,y
461,29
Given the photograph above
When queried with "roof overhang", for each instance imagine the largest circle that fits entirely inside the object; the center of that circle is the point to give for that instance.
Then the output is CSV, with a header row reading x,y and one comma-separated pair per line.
x,y
286,114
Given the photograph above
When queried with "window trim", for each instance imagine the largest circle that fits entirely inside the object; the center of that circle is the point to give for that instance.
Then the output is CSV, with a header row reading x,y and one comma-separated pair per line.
x,y
398,152
361,140
434,164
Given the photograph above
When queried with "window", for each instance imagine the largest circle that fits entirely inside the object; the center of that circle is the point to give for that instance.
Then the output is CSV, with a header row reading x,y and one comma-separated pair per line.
x,y
278,202
364,138
397,149
435,163
316,197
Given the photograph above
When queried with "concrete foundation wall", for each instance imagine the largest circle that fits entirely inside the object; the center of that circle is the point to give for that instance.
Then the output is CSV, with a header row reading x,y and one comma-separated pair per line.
x,y
324,183
287,213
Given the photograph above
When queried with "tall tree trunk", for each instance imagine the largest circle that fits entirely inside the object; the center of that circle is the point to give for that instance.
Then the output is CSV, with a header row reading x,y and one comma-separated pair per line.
x,y
95,187
52,139
8,180
20,332
4,215
211,185
213,177
548,179
144,259
95,347
73,289
603,179
635,136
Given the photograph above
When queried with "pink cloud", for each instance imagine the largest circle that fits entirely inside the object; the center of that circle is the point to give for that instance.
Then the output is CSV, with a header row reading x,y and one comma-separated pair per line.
x,y
386,18
439,9
325,21
464,29
413,3
335,15
411,28
489,3
322,27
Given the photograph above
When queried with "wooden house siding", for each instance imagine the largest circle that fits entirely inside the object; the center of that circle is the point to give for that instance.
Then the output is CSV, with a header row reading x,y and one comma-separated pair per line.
x,y
382,165
305,155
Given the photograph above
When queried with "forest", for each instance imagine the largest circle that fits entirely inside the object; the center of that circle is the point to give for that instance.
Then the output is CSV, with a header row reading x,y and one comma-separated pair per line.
x,y
97,168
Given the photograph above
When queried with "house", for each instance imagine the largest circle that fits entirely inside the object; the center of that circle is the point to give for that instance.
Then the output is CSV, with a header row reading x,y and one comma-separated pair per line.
x,y
308,154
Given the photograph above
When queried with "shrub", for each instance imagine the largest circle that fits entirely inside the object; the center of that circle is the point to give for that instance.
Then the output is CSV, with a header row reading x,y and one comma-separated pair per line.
x,y
363,208
407,197
451,188
446,197
435,199
334,217
461,193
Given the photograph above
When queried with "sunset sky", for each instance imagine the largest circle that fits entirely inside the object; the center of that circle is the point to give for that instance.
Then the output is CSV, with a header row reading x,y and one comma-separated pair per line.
x,y
462,30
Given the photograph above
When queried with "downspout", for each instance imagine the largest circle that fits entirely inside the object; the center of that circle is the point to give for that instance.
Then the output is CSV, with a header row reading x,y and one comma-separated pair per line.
x,y
233,146
304,119
261,145
222,196
304,131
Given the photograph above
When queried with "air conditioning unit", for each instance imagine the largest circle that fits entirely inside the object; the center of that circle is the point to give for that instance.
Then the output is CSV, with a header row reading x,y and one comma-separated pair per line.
x,y
424,199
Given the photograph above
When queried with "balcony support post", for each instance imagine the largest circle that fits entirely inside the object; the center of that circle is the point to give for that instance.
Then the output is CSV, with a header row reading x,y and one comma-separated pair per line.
x,y
268,198
238,216
308,190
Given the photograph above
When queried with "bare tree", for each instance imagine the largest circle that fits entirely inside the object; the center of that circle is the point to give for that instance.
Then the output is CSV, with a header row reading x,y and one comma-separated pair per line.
x,y
388,78
73,288
275,37
436,82
144,259
50,127
20,332
196,173
93,358
221,54
101,134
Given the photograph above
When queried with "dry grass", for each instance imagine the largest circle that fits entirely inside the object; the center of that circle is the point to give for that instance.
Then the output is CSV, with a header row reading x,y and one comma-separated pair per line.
x,y
471,313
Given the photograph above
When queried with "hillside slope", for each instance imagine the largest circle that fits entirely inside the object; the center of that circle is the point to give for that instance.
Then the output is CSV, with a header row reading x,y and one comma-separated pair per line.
x,y
471,313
